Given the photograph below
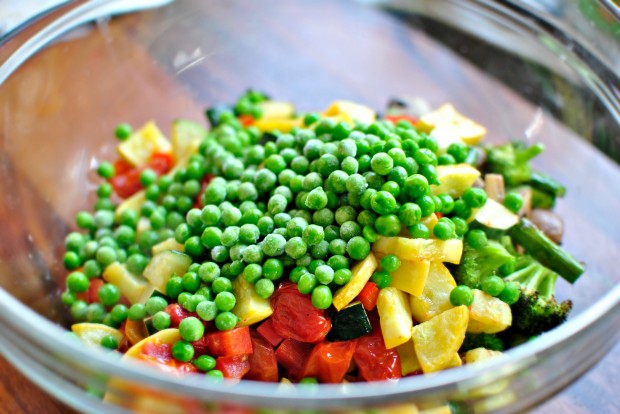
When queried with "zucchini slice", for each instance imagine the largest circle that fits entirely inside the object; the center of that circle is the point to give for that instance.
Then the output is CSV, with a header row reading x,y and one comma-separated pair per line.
x,y
163,265
350,323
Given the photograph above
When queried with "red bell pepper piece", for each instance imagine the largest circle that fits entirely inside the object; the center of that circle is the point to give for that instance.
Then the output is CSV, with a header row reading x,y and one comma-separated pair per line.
x,y
246,120
369,295
294,316
126,182
293,356
92,294
177,314
330,361
235,342
234,367
263,362
267,332
374,362
402,117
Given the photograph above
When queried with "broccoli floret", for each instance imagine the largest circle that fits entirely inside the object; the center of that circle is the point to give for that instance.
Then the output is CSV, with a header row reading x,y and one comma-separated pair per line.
x,y
478,263
512,161
537,310
482,340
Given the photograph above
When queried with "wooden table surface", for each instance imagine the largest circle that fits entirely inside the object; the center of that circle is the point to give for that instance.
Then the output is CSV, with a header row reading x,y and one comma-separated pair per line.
x,y
188,79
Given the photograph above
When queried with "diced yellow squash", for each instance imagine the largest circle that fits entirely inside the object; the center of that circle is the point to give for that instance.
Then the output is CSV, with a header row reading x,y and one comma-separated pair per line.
x,y
354,111
168,244
430,221
280,124
408,359
129,285
92,333
165,264
185,136
139,147
435,297
446,118
420,249
455,179
445,137
488,314
276,110
250,307
131,203
394,316
167,336
148,292
495,216
437,340
442,409
361,274
480,354
144,224
455,361
400,408
411,276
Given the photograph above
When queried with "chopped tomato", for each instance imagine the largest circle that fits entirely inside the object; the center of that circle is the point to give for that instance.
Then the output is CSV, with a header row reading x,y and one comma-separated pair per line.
x,y
233,366
375,363
295,317
263,362
267,331
293,356
92,294
126,182
229,343
402,117
121,166
160,355
369,295
330,361
177,314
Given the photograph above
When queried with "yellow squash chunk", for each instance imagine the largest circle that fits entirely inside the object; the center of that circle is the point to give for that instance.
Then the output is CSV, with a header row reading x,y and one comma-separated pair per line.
x,y
394,316
137,150
131,203
435,297
250,307
411,276
354,111
420,249
455,361
430,221
437,340
165,264
488,314
361,273
131,286
454,179
276,110
408,359
495,216
92,333
280,124
167,336
480,354
446,118
186,136
168,244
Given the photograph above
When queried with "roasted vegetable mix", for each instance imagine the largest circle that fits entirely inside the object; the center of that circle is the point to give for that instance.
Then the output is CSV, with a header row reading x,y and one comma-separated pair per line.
x,y
316,247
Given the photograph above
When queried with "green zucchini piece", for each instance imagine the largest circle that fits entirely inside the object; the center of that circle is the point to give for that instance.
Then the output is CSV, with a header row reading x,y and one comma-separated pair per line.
x,y
547,184
350,323
547,252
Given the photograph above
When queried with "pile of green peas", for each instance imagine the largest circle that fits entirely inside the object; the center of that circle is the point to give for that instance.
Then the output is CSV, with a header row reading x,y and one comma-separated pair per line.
x,y
303,205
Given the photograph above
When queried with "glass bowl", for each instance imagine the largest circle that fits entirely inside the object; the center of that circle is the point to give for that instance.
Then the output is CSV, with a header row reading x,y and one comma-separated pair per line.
x,y
544,75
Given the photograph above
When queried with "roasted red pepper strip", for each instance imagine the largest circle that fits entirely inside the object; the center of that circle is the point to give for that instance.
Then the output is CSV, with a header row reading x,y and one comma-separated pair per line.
x,y
229,343
402,117
263,362
293,356
330,361
234,367
369,295
267,332
126,182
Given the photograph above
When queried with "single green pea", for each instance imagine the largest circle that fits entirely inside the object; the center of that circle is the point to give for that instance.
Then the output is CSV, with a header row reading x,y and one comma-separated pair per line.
x,y
370,234
122,131
161,320
273,269
388,226
381,278
342,276
78,310
390,263
109,342
513,201
191,329
109,294
476,238
182,351
443,230
460,226
204,363
461,295
221,284
77,282
264,288
419,231
95,313
493,285
511,293
106,170
321,297
119,313
475,197
136,312
307,282
381,163
358,248
155,304
226,321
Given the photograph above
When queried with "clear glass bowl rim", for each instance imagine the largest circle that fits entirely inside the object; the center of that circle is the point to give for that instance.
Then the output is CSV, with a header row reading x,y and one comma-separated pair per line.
x,y
15,317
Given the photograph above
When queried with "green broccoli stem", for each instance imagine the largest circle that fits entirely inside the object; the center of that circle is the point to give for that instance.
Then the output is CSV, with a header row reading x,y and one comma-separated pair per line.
x,y
547,184
543,249
534,277
526,154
